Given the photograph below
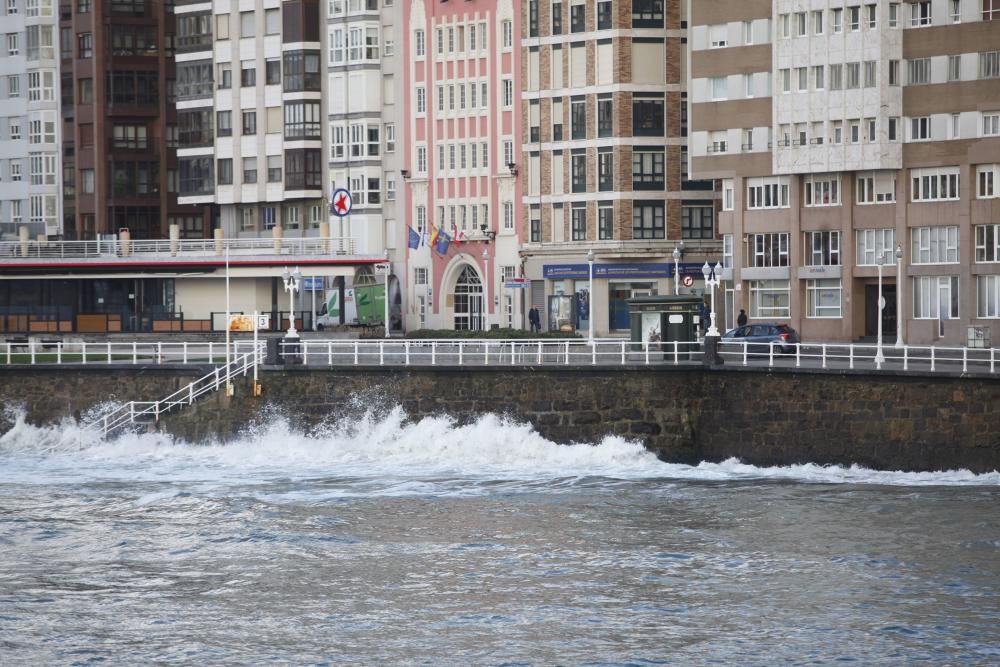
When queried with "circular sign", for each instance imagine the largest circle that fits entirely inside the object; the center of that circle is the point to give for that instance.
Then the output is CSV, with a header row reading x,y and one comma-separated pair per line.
x,y
341,203
687,281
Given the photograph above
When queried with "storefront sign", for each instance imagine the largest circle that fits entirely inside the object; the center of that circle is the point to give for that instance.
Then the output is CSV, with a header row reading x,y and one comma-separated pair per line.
x,y
613,271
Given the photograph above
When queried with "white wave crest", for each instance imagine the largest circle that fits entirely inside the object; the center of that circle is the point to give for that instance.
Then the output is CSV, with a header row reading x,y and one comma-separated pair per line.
x,y
393,449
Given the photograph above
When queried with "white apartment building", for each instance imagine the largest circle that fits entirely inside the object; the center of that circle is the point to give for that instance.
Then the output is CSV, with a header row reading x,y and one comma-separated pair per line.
x,y
30,161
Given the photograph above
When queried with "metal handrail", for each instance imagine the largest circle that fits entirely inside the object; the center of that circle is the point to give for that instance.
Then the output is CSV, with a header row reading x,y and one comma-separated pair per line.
x,y
130,412
165,248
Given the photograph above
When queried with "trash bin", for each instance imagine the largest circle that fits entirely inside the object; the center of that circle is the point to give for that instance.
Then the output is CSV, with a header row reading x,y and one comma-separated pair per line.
x,y
662,320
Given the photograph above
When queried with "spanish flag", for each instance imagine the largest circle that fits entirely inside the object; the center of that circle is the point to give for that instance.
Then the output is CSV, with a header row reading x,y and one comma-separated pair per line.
x,y
434,235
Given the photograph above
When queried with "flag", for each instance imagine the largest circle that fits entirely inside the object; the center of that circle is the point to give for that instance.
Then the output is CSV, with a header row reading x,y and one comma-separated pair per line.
x,y
434,235
413,239
456,237
442,243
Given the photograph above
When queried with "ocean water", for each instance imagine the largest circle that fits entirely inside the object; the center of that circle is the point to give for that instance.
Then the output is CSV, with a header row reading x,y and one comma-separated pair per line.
x,y
390,541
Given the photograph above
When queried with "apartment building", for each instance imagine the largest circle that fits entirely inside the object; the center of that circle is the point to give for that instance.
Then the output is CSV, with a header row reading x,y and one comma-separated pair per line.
x,y
119,131
603,153
846,135
462,78
30,162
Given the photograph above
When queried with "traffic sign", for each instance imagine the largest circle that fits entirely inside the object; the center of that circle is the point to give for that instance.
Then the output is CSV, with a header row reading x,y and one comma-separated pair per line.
x,y
516,283
341,203
687,280
383,268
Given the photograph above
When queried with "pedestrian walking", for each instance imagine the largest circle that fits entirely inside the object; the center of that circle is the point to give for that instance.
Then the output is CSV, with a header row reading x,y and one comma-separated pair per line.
x,y
742,319
534,320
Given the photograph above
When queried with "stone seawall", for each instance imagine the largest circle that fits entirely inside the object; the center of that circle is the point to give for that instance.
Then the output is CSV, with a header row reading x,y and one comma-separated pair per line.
x,y
684,414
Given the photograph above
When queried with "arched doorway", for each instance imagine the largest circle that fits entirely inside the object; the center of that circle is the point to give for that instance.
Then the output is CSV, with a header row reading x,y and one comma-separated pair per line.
x,y
469,301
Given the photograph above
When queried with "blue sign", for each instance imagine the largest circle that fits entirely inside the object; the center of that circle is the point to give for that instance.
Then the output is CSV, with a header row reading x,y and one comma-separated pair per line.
x,y
617,271
312,284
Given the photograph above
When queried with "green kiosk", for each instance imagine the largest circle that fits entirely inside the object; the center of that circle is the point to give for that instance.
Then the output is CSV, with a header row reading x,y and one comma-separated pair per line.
x,y
661,320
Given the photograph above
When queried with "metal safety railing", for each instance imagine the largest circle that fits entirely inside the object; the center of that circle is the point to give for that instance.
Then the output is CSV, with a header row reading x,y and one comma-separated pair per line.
x,y
135,412
35,350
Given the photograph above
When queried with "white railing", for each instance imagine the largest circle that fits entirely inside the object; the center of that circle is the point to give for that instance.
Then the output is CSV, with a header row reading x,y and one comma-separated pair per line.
x,y
511,353
165,249
140,411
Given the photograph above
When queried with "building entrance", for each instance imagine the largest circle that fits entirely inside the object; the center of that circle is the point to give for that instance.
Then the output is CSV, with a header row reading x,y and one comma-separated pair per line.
x,y
469,301
888,314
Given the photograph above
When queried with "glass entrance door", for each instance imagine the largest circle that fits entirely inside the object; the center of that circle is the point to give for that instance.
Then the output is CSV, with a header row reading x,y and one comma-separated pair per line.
x,y
469,301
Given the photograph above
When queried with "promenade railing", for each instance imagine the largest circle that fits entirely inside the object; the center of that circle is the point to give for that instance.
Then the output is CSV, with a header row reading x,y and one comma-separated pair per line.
x,y
513,353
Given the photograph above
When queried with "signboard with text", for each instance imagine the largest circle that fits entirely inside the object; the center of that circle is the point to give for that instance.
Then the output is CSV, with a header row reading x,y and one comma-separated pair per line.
x,y
616,271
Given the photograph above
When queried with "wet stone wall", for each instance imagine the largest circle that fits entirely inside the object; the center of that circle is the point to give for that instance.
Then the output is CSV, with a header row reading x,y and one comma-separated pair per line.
x,y
684,415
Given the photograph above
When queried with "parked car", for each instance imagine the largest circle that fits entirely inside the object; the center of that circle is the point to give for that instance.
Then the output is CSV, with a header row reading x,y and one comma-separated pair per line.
x,y
760,336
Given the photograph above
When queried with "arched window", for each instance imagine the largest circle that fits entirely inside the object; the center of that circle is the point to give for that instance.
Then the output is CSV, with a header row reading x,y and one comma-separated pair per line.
x,y
469,301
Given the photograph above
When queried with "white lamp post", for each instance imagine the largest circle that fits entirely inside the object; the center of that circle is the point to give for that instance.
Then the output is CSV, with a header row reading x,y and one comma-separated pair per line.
x,y
677,254
486,286
713,277
879,357
899,295
590,297
292,282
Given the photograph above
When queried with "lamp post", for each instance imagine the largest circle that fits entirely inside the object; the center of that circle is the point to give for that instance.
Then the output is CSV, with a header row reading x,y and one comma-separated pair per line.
x,y
486,287
879,357
899,295
677,254
713,277
590,297
229,382
292,282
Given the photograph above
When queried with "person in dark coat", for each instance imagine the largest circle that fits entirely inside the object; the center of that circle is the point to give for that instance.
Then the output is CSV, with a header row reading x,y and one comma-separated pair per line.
x,y
534,320
742,319
703,316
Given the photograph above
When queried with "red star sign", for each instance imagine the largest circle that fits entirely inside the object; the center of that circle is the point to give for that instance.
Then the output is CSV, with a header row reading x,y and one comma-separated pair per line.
x,y
341,203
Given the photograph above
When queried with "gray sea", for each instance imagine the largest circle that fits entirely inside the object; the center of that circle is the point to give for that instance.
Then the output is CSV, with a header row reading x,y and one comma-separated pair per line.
x,y
385,542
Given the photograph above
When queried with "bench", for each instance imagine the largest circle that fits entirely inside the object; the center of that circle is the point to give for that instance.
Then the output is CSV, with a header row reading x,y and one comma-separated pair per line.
x,y
16,343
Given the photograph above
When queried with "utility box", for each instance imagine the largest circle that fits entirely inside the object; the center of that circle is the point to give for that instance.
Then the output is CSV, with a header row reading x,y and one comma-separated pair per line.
x,y
979,337
661,320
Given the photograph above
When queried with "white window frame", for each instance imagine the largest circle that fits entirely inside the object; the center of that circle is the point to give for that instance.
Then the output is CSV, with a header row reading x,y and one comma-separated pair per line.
x,y
935,184
988,297
987,238
936,244
821,190
777,292
873,244
987,181
927,297
767,193
822,248
816,304
875,187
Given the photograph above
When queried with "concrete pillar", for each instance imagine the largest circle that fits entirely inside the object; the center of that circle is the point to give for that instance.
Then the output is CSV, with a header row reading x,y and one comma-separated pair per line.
x,y
23,235
125,242
175,239
279,234
324,234
219,243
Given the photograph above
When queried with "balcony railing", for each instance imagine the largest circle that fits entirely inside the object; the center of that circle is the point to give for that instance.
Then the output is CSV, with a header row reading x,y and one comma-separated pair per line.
x,y
167,251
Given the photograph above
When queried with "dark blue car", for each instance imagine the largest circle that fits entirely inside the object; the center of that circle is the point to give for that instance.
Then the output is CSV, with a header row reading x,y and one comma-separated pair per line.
x,y
760,336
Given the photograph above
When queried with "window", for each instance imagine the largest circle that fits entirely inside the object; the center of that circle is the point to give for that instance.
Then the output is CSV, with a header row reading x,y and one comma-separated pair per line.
x,y
767,193
956,11
836,74
647,116
720,87
508,93
893,72
935,297
822,190
697,222
989,64
785,21
954,68
870,73
224,123
578,164
301,71
920,13
802,75
876,187
605,170
421,100
421,159
274,169
604,116
991,123
822,248
272,69
303,169
728,194
988,181
920,71
605,221
920,128
224,170
838,20
988,297
249,170
246,24
603,14
823,298
13,48
85,45
225,77
768,250
648,220
129,136
648,169
419,43
854,18
871,16
578,218
934,245
647,13
800,24
578,119
769,299
853,76
991,10
87,181
249,122
506,34
272,21
941,184
818,77
817,21
988,243
893,14
303,120
874,245
718,35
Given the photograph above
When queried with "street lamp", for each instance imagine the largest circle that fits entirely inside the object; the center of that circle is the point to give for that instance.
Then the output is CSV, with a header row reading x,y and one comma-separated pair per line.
x,y
899,295
879,357
590,297
677,254
713,277
486,285
292,282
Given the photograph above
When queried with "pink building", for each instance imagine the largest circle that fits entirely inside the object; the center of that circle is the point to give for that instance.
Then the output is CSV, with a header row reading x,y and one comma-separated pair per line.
x,y
462,81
